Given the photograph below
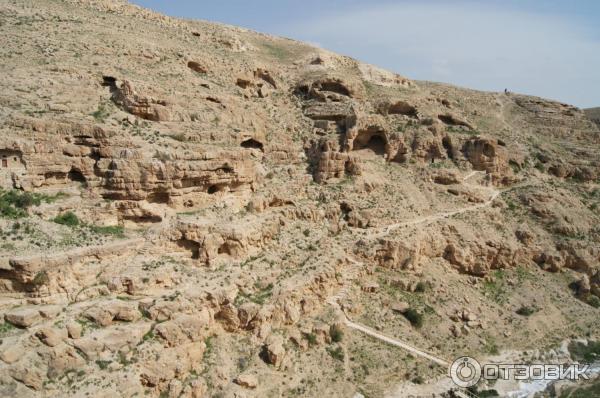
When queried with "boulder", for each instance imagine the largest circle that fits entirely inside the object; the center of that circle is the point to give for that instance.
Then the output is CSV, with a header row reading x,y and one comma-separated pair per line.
x,y
23,317
247,380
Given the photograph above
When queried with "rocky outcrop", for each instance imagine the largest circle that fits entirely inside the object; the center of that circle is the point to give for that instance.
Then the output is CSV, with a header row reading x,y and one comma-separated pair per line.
x,y
125,96
208,241
328,162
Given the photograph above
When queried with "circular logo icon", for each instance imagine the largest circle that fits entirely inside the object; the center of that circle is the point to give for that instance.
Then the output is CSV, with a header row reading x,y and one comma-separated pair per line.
x,y
465,372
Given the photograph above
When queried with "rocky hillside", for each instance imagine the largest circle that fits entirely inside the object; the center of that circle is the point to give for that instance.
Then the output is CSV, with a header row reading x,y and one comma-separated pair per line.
x,y
593,114
191,209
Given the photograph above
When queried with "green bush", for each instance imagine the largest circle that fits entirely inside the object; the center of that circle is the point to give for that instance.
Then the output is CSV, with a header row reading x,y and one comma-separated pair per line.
x,y
421,287
594,301
336,333
589,352
414,317
526,311
69,218
311,338
14,203
336,353
40,279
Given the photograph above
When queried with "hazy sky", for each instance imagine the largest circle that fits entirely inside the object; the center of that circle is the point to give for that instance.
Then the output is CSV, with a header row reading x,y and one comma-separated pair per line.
x,y
548,48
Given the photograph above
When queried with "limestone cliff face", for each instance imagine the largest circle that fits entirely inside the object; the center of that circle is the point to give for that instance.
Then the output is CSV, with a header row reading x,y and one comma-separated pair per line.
x,y
186,207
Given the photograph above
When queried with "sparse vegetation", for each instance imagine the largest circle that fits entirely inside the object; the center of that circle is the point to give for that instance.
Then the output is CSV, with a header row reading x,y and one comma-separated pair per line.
x,y
114,230
6,328
581,351
336,353
69,218
336,333
14,204
102,113
526,310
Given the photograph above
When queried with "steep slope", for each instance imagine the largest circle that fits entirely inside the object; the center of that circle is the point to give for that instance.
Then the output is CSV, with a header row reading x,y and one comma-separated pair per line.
x,y
593,114
189,207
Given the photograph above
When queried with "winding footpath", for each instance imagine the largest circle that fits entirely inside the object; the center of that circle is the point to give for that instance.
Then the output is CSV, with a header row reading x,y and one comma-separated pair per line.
x,y
355,269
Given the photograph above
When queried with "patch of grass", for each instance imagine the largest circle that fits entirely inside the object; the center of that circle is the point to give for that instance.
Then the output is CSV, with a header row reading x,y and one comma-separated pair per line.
x,y
101,113
40,279
278,52
336,353
311,338
14,203
589,352
262,295
150,335
69,218
414,317
594,301
103,365
494,287
114,230
491,347
6,328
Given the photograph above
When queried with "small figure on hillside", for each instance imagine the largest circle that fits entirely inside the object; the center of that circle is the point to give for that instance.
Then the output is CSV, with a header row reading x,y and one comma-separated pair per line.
x,y
506,91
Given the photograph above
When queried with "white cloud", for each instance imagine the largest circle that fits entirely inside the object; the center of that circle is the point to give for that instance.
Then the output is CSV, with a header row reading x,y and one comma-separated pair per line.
x,y
473,45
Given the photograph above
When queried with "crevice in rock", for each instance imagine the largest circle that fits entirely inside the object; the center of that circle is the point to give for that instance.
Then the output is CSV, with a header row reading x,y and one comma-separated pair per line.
x,y
251,143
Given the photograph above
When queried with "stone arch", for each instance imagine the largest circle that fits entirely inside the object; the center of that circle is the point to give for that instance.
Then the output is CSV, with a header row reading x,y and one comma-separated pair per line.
x,y
334,86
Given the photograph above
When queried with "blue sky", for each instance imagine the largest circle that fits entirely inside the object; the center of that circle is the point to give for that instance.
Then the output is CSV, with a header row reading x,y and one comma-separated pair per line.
x,y
548,48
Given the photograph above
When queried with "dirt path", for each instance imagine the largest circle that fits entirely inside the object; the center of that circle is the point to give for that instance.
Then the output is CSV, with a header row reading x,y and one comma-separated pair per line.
x,y
354,271
494,193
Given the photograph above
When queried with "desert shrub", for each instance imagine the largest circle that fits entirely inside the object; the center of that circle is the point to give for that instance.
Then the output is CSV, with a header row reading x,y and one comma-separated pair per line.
x,y
414,317
14,203
336,333
336,353
594,301
69,218
589,352
40,279
311,338
421,287
526,310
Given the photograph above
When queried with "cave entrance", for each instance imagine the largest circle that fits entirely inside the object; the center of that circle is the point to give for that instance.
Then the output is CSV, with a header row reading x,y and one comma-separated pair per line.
x,y
447,143
251,143
158,197
191,246
373,141
76,176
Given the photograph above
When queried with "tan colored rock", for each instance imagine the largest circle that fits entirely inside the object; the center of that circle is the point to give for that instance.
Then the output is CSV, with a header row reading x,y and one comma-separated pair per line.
x,y
274,351
51,336
247,380
400,307
32,377
74,329
23,317
12,353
